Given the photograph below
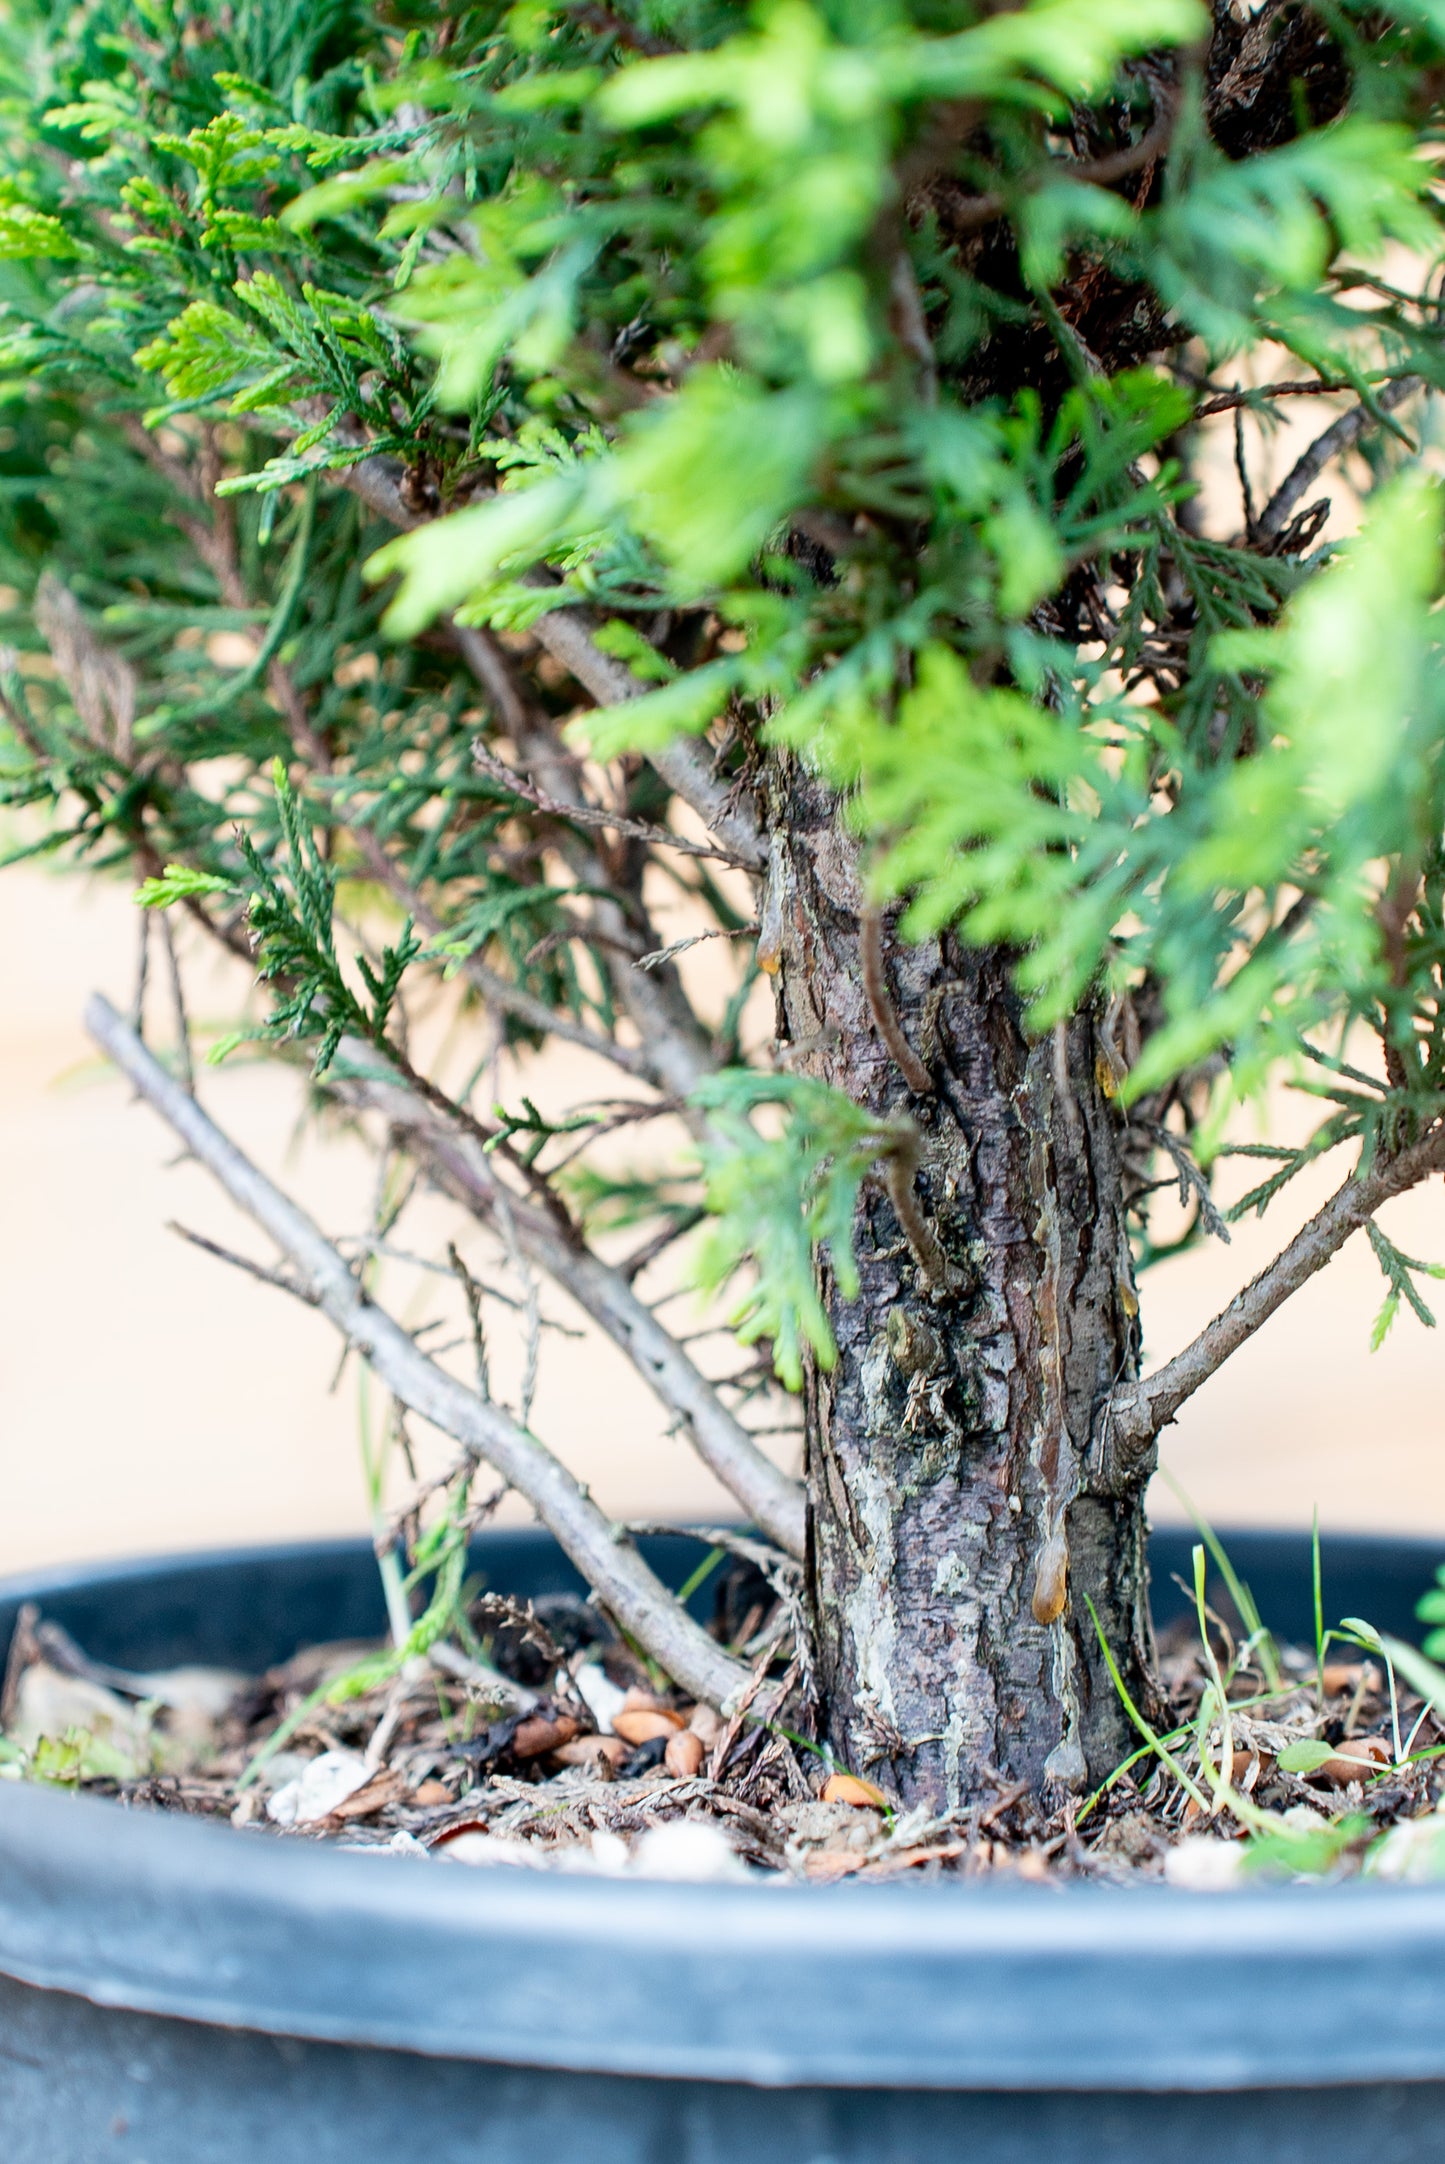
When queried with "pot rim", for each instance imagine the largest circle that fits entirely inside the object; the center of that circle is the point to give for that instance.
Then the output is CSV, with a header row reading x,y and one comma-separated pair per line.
x,y
937,1986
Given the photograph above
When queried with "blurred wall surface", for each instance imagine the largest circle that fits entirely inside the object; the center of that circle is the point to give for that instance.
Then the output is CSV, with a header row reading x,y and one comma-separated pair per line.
x,y
152,1398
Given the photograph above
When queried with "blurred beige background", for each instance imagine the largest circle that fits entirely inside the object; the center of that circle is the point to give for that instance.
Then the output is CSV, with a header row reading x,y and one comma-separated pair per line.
x,y
151,1398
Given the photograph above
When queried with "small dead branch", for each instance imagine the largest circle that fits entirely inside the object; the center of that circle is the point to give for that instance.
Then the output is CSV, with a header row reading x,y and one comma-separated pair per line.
x,y
472,1294
592,815
659,955
1143,1408
1191,1179
1338,438
266,1274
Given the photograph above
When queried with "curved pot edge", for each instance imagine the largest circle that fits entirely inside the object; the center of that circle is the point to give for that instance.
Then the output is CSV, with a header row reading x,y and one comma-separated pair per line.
x,y
988,1988
1008,1988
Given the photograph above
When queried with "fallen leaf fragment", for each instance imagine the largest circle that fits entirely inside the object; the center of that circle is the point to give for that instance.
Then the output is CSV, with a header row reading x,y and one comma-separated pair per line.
x,y
383,1788
851,1788
825,1865
1337,1677
88,1729
908,1859
707,1722
432,1796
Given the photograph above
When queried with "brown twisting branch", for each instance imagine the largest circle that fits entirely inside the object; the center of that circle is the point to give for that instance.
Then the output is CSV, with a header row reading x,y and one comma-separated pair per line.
x,y
880,1001
901,1155
1229,401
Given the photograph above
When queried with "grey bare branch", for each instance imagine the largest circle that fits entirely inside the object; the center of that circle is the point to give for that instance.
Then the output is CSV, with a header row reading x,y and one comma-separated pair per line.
x,y
1141,1410
640,1602
770,1498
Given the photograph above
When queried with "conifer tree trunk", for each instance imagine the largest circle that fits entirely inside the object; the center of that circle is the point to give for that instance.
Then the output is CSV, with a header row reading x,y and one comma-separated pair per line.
x,y
961,1517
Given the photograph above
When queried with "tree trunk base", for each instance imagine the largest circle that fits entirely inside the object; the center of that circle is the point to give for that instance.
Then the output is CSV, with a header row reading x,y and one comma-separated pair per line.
x,y
960,1518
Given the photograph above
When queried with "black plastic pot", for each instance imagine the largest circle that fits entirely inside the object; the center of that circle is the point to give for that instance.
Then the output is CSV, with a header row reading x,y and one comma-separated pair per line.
x,y
178,1993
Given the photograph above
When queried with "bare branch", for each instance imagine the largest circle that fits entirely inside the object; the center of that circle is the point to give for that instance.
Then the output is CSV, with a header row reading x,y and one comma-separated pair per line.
x,y
259,1270
1337,438
588,815
773,1501
567,635
660,955
600,1550
1230,401
1142,1409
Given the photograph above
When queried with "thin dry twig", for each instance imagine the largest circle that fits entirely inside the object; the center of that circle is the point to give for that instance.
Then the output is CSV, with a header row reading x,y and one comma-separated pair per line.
x,y
593,815
771,1500
659,955
259,1270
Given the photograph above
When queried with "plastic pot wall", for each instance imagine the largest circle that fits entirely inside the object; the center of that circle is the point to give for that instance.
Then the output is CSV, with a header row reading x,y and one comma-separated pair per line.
x,y
174,1992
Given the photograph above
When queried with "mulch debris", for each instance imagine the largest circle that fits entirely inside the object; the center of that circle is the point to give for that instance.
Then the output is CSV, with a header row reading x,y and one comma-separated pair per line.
x,y
538,1740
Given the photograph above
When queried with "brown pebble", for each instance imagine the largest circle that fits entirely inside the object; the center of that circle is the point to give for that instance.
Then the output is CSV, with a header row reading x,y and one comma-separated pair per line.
x,y
543,1732
643,1724
1355,1760
848,1788
595,1751
431,1795
684,1756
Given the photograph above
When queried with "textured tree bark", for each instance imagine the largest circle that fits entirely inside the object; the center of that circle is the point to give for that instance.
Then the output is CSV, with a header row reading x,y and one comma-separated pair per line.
x,y
962,1511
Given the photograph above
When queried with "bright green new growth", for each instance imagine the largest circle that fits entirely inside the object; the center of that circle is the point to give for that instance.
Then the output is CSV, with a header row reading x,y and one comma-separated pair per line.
x,y
775,1200
765,337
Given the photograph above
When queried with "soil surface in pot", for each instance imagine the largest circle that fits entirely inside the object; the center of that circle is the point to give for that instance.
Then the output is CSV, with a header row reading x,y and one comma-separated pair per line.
x,y
530,1735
